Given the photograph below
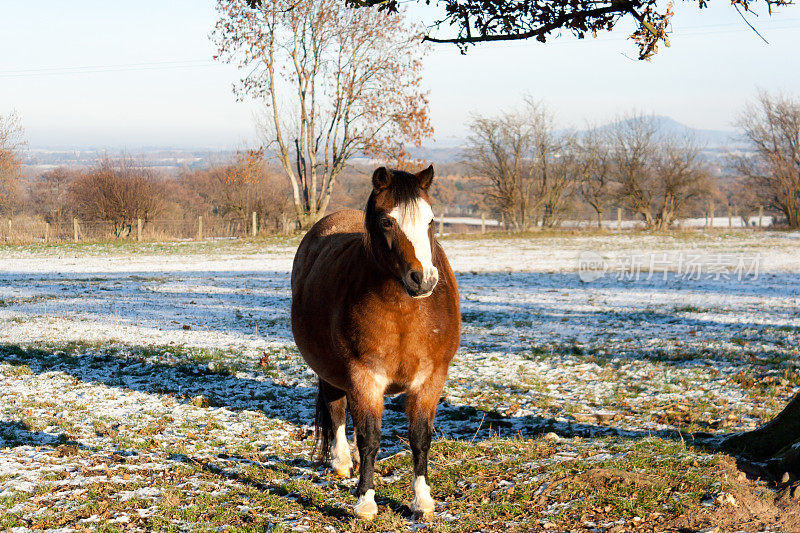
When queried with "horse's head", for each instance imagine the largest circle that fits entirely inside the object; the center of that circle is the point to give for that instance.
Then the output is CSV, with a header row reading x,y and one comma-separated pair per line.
x,y
400,227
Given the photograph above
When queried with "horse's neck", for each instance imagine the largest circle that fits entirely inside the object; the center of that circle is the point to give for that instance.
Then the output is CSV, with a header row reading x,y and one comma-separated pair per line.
x,y
368,276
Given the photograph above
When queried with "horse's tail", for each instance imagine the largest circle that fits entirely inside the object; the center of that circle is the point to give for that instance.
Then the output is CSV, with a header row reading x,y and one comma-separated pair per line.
x,y
323,427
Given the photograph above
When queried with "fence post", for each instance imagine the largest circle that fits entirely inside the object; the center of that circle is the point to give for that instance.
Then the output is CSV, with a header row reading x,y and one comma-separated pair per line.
x,y
730,217
200,228
75,235
138,230
46,232
760,216
255,224
9,230
619,219
441,225
711,213
483,223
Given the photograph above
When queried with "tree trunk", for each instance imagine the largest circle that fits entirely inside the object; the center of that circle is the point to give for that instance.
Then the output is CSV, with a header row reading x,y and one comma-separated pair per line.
x,y
770,439
772,449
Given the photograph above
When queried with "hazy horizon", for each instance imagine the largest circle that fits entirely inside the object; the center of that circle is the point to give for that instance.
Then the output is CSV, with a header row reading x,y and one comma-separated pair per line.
x,y
108,76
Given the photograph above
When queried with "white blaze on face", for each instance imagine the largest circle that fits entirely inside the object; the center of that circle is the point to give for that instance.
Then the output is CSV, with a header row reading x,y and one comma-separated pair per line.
x,y
414,220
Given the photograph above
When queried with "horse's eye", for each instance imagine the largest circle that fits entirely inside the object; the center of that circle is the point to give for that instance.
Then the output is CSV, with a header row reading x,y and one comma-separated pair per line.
x,y
386,223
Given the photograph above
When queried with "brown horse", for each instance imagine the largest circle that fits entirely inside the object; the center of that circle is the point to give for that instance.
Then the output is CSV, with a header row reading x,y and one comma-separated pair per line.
x,y
375,311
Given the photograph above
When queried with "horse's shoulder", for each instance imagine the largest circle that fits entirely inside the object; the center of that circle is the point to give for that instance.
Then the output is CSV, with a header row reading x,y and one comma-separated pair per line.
x,y
331,241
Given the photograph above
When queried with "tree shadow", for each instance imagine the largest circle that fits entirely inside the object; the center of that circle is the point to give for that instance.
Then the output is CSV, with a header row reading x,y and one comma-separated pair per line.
x,y
14,433
292,403
130,369
480,425
252,304
767,284
513,311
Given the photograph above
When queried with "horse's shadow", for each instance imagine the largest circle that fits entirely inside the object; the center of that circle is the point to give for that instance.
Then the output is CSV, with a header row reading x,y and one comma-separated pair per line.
x,y
294,468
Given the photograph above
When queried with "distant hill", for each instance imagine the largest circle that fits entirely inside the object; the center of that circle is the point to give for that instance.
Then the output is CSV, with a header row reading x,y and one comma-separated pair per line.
x,y
709,138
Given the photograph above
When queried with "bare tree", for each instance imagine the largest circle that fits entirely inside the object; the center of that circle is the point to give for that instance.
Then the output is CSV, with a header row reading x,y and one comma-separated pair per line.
x,y
658,175
240,188
499,150
11,142
50,194
336,82
595,171
772,126
681,177
529,169
553,163
118,192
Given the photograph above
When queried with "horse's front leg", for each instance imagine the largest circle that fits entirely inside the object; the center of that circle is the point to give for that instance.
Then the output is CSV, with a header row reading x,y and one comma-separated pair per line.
x,y
421,410
366,407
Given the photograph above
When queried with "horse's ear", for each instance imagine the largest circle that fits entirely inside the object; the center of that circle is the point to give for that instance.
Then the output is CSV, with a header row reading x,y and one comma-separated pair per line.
x,y
381,178
425,178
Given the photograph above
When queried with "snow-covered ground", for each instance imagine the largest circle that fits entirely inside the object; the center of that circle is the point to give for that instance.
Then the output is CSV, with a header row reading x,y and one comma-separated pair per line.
x,y
116,365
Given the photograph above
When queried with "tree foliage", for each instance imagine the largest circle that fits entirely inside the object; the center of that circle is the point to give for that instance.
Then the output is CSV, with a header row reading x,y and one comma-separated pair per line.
x,y
475,21
336,82
532,171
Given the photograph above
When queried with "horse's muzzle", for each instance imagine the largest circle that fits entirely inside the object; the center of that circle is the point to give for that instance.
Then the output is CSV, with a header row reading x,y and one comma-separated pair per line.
x,y
419,284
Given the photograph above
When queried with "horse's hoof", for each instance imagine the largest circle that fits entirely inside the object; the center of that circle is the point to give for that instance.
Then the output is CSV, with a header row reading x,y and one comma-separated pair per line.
x,y
423,507
422,504
343,473
366,508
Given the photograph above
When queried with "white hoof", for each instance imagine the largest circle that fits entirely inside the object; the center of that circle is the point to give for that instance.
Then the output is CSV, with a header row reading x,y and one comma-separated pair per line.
x,y
341,462
342,468
422,504
366,508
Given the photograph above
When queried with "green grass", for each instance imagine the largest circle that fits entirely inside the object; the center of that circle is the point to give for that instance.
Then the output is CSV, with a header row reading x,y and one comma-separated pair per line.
x,y
500,484
488,486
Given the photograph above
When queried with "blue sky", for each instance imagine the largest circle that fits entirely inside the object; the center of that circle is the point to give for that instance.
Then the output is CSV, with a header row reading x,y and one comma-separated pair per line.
x,y
133,74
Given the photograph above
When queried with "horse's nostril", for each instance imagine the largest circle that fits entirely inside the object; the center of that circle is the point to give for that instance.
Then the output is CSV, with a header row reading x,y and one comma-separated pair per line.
x,y
416,277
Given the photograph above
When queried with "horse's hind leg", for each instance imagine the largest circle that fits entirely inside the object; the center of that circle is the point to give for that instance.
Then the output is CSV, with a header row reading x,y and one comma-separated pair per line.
x,y
366,407
421,409
341,462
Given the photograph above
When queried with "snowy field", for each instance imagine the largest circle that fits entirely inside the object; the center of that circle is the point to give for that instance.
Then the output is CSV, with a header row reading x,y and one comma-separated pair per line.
x,y
157,386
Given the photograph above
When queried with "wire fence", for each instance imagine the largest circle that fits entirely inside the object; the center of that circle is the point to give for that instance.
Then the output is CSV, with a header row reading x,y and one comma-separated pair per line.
x,y
28,229
32,230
